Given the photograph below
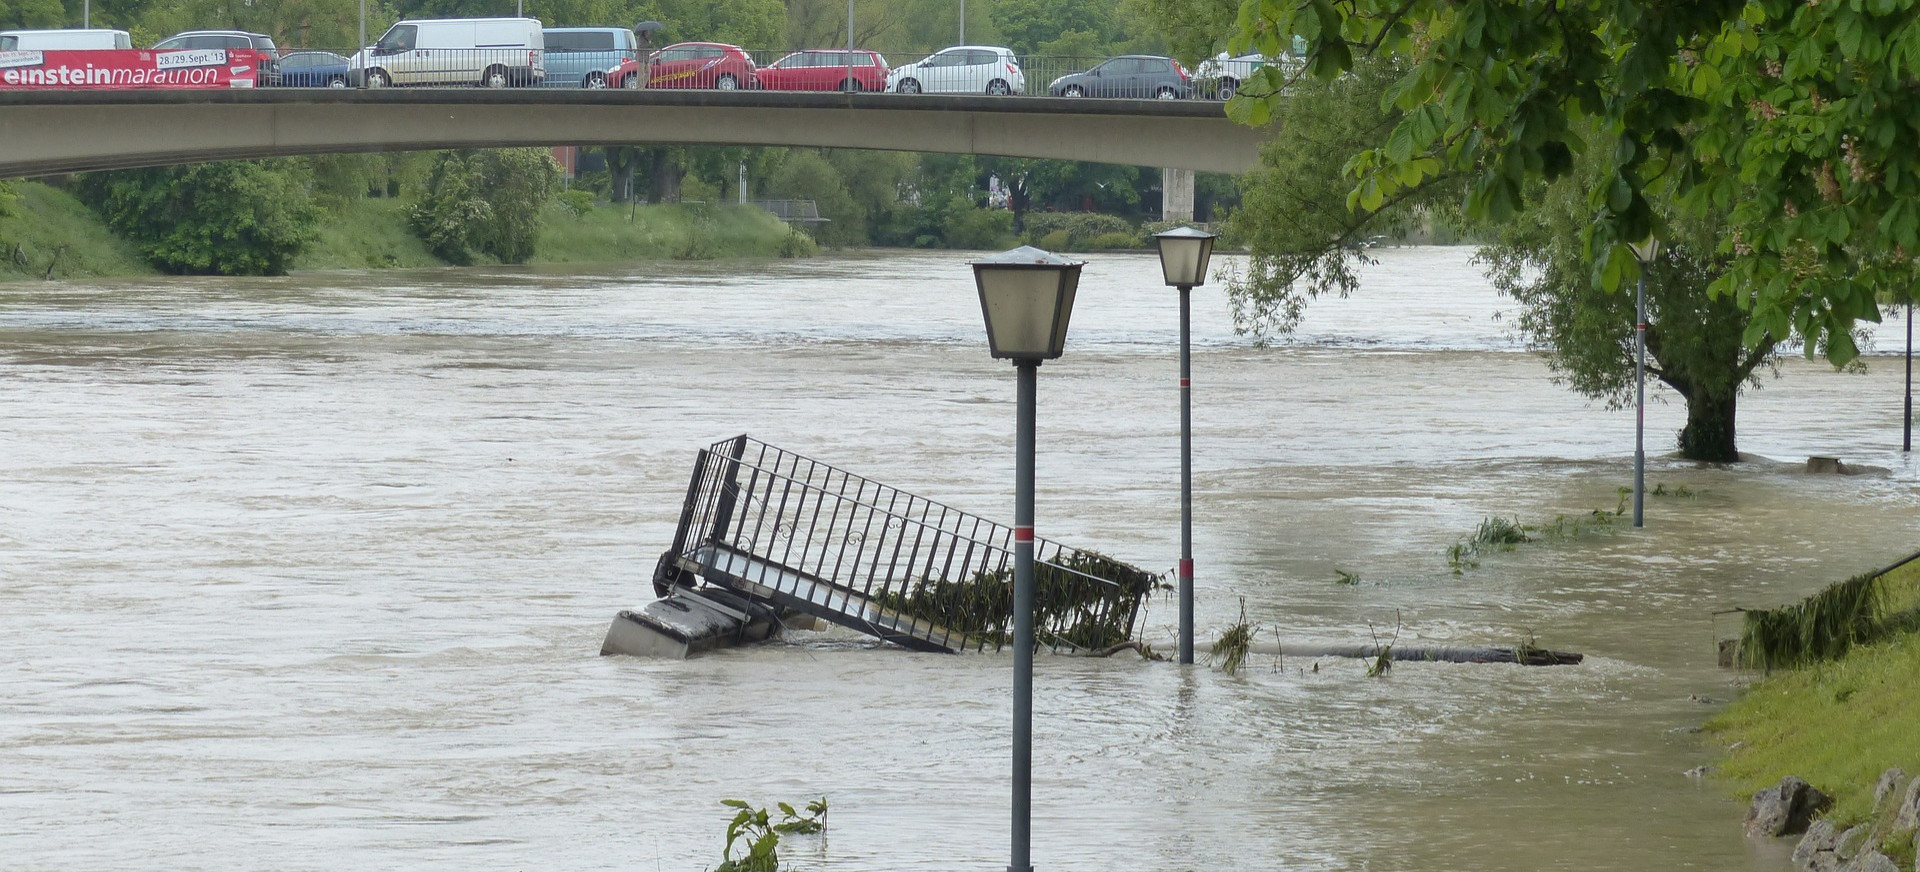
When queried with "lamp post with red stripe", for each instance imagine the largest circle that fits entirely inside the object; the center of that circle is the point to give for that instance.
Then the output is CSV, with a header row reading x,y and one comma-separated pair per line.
x,y
1184,252
1646,251
1026,296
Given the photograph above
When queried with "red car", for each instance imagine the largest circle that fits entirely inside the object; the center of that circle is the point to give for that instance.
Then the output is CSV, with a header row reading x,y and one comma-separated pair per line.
x,y
691,65
826,69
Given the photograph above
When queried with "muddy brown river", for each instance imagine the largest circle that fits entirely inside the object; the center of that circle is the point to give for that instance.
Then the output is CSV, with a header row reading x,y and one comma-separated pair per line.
x,y
312,573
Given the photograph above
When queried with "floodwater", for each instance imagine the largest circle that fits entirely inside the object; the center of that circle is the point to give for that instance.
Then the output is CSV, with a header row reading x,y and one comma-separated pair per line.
x,y
312,573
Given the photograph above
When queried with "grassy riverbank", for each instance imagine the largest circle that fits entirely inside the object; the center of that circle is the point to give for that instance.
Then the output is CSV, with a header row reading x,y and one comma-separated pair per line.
x,y
51,235
49,227
1839,722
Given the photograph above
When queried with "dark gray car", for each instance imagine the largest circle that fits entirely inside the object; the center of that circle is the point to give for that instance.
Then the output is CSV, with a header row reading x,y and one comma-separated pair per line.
x,y
1135,76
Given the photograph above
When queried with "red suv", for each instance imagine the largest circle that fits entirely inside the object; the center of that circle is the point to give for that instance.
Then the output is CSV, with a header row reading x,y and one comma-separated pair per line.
x,y
826,69
691,65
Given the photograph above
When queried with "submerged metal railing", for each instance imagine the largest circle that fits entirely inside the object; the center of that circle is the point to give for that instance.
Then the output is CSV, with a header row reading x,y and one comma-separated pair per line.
x,y
811,537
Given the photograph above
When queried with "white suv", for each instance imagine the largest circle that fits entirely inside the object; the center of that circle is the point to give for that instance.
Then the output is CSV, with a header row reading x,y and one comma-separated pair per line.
x,y
963,69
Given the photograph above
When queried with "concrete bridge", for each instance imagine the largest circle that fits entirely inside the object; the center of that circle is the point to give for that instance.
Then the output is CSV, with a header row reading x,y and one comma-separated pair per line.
x,y
43,132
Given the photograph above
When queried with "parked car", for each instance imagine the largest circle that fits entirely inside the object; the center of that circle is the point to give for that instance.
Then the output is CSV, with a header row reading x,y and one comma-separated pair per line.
x,y
586,57
63,40
227,39
489,52
1136,76
311,69
963,69
1220,76
831,69
693,65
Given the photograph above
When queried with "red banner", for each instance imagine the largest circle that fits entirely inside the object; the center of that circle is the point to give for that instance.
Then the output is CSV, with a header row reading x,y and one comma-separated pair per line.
x,y
119,69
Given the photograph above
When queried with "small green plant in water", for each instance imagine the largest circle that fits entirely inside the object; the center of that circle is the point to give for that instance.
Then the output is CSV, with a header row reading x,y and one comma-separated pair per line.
x,y
1341,576
1234,644
1383,655
761,835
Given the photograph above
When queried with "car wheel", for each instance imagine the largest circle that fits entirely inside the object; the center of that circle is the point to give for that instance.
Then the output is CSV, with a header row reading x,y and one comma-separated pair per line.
x,y
850,85
727,83
908,86
1164,94
337,82
1227,88
378,79
494,77
595,81
998,88
1073,91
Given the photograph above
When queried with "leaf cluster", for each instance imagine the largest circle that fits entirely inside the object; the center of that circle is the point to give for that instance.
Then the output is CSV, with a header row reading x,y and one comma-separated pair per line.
x,y
224,218
485,203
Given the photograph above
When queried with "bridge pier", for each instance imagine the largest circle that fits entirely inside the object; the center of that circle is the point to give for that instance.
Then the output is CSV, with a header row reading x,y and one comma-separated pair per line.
x,y
1176,194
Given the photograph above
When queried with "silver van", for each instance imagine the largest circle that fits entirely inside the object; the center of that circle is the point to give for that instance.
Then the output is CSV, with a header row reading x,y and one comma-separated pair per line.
x,y
488,52
63,40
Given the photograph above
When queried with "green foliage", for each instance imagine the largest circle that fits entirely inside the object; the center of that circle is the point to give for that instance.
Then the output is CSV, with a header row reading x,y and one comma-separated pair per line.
x,y
485,203
1830,623
7,198
1696,342
798,244
31,14
1341,576
1056,240
749,23
761,835
1235,644
575,202
978,228
365,234
1081,229
1790,117
1110,241
226,218
658,232
806,174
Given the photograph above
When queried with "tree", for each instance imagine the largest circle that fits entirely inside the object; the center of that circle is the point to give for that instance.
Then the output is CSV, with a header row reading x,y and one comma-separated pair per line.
x,y
226,218
1694,339
805,174
485,203
29,14
749,23
1025,24
1792,115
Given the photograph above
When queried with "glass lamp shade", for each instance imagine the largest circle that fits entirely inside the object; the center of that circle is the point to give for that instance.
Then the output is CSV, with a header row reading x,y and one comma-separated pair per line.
x,y
1026,296
1184,252
1647,250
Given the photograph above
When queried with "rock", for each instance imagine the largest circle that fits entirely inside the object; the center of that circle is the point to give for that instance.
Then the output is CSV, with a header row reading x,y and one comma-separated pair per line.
x,y
1872,861
1825,464
1785,809
1908,817
1850,842
1699,772
1815,850
1891,784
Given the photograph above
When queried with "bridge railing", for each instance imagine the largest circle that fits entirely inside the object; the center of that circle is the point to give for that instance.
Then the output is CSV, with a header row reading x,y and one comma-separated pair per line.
x,y
1037,75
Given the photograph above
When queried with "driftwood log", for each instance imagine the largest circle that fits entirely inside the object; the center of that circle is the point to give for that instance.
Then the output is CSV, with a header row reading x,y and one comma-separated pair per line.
x,y
1418,653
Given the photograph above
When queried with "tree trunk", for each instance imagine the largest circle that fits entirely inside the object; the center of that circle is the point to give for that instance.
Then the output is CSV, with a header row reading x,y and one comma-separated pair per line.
x,y
663,183
1708,435
622,160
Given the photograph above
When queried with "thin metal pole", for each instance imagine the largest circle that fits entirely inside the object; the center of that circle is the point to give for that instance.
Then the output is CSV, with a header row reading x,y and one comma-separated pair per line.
x,y
963,22
1640,400
1186,476
86,13
850,83
1023,622
363,44
1906,430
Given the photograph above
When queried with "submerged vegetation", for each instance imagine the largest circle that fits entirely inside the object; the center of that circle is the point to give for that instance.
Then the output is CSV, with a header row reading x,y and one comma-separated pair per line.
x,y
1235,644
1825,626
1072,609
1496,534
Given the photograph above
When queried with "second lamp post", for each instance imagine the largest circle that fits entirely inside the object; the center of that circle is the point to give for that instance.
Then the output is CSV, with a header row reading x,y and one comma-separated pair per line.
x,y
1646,252
1184,253
1026,296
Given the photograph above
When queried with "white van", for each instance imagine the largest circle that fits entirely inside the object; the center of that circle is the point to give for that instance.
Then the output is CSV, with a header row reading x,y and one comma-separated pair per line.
x,y
489,52
63,40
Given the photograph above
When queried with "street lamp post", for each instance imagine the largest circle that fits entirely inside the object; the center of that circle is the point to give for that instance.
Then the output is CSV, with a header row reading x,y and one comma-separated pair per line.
x,y
1026,296
1183,262
1646,251
1906,427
